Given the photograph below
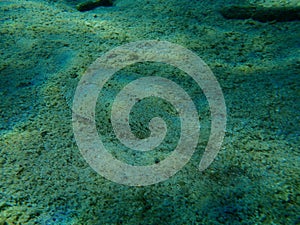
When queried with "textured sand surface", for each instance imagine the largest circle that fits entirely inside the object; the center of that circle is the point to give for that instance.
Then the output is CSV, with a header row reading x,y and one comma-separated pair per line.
x,y
45,48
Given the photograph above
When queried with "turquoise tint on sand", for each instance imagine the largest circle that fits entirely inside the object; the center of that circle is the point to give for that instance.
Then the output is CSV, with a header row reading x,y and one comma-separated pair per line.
x,y
46,47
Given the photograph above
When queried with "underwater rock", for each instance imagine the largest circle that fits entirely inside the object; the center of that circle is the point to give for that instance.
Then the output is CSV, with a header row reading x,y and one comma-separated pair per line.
x,y
262,14
89,5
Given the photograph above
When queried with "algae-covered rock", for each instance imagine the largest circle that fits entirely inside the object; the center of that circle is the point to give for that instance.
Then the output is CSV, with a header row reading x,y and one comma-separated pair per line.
x,y
262,14
89,5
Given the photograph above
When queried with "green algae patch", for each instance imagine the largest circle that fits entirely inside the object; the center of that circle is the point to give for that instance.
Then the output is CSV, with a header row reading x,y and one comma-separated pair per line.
x,y
89,5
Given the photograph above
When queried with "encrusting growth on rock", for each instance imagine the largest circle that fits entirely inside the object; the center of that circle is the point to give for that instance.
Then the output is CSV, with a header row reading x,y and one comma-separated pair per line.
x,y
89,5
262,14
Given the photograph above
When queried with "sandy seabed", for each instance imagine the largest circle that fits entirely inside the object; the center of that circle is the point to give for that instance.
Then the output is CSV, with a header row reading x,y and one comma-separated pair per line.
x,y
46,46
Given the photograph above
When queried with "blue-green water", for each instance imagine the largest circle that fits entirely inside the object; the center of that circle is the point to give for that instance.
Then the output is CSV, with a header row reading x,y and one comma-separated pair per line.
x,y
45,49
